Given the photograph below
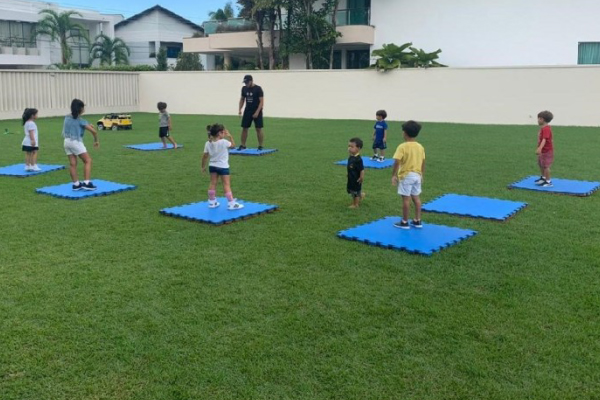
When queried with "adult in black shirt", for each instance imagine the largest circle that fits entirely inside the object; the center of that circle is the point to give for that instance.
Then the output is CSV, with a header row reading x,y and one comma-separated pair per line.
x,y
253,97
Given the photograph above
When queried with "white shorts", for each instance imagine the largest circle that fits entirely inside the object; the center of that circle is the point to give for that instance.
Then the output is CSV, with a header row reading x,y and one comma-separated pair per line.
x,y
410,185
74,147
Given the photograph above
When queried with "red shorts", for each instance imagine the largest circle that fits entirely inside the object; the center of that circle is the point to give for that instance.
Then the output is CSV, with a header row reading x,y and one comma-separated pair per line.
x,y
545,160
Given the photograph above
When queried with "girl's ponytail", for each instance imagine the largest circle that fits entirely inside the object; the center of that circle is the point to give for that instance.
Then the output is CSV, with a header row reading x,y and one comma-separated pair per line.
x,y
76,108
28,113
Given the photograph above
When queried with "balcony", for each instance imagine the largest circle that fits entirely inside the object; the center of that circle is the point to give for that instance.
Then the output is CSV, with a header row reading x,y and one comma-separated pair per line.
x,y
239,34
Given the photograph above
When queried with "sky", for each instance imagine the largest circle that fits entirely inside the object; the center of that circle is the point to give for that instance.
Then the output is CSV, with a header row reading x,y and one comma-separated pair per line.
x,y
194,10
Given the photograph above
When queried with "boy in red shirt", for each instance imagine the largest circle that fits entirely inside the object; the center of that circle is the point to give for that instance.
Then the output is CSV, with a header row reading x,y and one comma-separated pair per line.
x,y
545,149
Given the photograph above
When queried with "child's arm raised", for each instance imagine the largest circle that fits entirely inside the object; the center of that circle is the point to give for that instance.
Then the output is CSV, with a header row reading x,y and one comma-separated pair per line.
x,y
90,128
230,138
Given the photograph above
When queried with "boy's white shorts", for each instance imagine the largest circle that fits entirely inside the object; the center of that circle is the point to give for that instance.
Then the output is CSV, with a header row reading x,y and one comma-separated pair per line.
x,y
74,147
410,185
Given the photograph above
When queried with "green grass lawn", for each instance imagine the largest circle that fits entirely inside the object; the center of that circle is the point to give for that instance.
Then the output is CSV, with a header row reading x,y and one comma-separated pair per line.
x,y
104,298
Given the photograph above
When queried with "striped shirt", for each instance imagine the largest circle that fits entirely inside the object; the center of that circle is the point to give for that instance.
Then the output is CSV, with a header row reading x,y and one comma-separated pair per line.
x,y
74,128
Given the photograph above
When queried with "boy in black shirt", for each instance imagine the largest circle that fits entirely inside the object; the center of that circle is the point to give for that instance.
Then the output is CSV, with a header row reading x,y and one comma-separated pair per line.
x,y
356,172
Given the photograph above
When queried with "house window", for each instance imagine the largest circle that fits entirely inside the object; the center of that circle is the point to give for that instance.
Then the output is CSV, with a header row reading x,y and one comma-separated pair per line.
x,y
358,59
173,51
16,34
589,53
80,47
152,49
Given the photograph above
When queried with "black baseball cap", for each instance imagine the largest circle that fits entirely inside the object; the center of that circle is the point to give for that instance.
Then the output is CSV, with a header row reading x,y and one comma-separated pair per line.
x,y
248,78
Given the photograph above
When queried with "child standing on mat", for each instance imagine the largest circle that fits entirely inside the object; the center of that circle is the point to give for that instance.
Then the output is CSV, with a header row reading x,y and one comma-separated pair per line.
x,y
356,172
380,136
545,149
30,143
409,166
216,150
73,129
165,129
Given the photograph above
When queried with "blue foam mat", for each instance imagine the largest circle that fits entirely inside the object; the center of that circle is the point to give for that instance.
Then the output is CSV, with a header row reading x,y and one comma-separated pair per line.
x,y
65,191
368,163
251,152
559,186
426,241
152,146
18,170
220,215
476,207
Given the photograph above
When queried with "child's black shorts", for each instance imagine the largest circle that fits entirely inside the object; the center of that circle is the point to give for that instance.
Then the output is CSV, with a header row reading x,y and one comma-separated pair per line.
x,y
163,131
29,149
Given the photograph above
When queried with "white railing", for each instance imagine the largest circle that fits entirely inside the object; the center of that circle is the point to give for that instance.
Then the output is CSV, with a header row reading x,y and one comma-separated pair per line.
x,y
51,92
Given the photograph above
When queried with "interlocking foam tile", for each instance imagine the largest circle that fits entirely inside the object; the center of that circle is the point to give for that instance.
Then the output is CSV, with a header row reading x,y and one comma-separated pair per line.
x,y
19,170
152,146
251,152
220,215
560,186
65,191
476,207
368,163
425,241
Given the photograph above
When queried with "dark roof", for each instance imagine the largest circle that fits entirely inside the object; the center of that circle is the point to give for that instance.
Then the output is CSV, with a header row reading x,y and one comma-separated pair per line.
x,y
160,9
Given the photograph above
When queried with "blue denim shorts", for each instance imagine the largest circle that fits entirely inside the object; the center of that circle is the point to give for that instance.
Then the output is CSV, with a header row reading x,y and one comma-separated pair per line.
x,y
218,171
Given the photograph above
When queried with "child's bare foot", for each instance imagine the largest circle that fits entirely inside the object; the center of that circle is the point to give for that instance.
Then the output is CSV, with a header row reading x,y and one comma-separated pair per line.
x,y
174,145
363,195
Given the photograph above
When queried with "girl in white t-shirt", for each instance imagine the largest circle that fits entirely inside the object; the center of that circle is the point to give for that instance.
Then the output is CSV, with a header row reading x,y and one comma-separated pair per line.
x,y
30,143
217,151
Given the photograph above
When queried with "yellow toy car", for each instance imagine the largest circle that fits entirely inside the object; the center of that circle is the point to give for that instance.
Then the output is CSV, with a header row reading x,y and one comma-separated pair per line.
x,y
115,122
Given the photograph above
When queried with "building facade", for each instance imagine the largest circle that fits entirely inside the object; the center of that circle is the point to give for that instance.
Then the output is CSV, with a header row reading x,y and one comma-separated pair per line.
x,y
147,31
470,33
18,50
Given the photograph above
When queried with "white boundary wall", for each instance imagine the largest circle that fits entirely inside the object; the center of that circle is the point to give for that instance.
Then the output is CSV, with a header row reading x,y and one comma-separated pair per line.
x,y
462,95
51,92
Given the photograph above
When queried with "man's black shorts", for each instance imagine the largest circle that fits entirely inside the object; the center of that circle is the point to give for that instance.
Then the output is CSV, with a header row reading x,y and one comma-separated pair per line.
x,y
247,120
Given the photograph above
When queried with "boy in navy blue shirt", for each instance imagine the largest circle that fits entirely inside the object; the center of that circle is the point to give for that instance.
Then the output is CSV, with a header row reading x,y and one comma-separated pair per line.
x,y
380,136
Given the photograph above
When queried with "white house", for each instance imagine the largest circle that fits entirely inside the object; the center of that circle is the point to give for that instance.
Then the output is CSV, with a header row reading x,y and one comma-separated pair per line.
x,y
471,33
19,51
147,31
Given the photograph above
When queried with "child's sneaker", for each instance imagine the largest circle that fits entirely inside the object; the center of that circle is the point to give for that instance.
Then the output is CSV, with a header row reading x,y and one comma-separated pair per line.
x,y
234,205
213,204
374,158
241,148
402,225
540,180
547,184
381,159
88,186
35,168
260,148
28,168
79,186
416,223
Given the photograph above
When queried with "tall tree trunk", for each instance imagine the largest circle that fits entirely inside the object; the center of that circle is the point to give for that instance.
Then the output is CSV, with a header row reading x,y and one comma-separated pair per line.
x,y
308,4
272,22
334,23
259,38
63,48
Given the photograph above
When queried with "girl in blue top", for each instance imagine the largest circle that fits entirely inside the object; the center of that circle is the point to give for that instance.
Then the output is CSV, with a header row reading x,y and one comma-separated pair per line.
x,y
73,130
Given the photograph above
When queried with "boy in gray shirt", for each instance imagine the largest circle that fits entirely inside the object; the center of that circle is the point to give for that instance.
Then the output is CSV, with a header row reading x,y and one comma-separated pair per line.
x,y
164,131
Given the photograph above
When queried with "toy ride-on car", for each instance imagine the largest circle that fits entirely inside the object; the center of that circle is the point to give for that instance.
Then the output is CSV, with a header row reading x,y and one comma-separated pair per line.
x,y
115,122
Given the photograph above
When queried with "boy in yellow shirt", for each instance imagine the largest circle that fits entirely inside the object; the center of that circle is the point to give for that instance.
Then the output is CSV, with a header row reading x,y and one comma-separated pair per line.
x,y
409,166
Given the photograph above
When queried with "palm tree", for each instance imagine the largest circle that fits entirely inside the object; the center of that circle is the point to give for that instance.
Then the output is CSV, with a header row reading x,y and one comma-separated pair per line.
x,y
109,50
222,14
60,27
